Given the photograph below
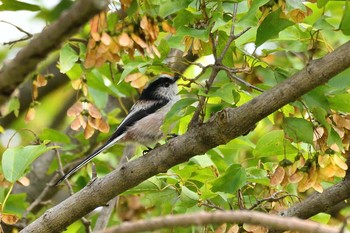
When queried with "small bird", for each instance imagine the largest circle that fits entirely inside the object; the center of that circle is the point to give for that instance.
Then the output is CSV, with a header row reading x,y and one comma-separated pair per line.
x,y
146,116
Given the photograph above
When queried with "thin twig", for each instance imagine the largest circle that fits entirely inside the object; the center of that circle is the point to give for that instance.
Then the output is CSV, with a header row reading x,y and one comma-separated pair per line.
x,y
111,71
202,101
235,77
80,40
200,111
29,35
232,35
273,198
210,204
345,223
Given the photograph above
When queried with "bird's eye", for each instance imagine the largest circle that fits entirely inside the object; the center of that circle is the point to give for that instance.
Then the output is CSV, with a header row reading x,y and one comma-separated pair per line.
x,y
166,84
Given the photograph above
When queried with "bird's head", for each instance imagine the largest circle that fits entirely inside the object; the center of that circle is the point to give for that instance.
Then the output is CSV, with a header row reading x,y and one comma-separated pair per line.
x,y
163,87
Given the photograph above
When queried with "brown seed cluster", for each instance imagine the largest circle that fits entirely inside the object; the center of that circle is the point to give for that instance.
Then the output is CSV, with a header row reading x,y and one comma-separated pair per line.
x,y
139,35
309,173
88,117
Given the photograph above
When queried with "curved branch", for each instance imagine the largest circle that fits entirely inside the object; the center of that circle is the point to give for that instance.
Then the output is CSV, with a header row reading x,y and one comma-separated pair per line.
x,y
219,217
320,202
220,129
15,71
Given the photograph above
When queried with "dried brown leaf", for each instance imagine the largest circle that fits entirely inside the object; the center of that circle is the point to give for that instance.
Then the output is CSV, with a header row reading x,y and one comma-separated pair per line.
x,y
106,39
78,122
277,176
89,131
75,110
9,219
124,40
41,80
30,115
24,181
93,111
168,28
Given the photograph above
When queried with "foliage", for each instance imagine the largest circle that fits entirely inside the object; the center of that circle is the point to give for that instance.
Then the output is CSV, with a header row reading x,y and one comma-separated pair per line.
x,y
289,154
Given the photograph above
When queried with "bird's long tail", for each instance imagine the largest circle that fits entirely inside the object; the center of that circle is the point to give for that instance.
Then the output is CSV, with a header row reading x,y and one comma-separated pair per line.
x,y
85,161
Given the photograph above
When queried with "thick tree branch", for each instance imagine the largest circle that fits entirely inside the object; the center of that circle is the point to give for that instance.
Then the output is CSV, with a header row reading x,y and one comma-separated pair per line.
x,y
219,217
220,129
15,71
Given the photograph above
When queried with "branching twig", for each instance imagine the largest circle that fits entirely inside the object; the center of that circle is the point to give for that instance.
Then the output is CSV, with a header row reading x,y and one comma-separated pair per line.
x,y
273,198
236,78
27,37
210,204
218,62
219,217
231,37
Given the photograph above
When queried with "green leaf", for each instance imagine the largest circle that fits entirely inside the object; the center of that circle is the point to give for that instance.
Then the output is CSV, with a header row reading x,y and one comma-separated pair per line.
x,y
13,5
16,160
233,179
202,160
320,114
321,3
271,26
202,34
16,204
12,105
227,93
68,57
334,138
168,7
250,19
75,72
322,24
340,102
273,143
345,21
180,109
321,218
257,175
153,184
188,195
300,130
54,136
316,98
131,66
100,97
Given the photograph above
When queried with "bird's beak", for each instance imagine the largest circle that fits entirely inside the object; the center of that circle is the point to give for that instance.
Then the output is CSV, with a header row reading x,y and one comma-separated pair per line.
x,y
176,77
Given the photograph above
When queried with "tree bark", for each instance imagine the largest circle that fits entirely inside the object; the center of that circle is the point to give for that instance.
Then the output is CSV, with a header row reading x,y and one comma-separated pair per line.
x,y
220,129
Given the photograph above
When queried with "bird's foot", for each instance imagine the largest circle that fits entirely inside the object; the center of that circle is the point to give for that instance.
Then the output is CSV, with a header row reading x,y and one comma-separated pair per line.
x,y
149,149
146,151
171,136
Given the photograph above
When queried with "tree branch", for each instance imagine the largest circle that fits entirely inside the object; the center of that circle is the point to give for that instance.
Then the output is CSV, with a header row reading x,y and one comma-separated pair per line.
x,y
320,202
219,217
15,71
220,129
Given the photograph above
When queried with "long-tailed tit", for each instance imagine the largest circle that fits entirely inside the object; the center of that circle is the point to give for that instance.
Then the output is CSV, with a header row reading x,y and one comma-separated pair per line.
x,y
142,124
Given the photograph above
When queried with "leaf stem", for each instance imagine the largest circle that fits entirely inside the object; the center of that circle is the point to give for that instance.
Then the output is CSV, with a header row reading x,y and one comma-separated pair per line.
x,y
7,196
